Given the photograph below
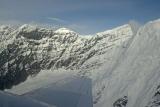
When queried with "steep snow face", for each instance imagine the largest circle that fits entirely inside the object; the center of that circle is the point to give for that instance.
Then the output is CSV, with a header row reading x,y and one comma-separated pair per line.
x,y
34,49
112,42
136,74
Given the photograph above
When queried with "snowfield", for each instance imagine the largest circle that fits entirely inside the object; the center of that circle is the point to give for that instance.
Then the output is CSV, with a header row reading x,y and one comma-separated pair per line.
x,y
123,65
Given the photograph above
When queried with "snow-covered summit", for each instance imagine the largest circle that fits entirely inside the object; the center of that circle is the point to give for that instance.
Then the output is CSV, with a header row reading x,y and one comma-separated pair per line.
x,y
33,32
27,28
64,31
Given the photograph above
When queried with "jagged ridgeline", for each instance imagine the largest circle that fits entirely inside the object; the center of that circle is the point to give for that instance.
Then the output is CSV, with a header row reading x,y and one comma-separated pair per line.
x,y
28,49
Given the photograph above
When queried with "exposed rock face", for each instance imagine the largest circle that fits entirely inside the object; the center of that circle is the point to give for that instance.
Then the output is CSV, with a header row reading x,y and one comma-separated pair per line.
x,y
155,101
121,102
29,49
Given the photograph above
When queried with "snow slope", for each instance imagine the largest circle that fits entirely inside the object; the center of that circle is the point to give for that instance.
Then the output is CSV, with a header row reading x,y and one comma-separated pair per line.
x,y
136,76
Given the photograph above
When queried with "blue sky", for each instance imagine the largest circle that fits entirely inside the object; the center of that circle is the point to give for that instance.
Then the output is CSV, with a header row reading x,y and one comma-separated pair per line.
x,y
83,16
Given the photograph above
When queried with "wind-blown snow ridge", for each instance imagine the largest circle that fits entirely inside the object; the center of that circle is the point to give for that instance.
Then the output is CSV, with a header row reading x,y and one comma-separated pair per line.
x,y
122,29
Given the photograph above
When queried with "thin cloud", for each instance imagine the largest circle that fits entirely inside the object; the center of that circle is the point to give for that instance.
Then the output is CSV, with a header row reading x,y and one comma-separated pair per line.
x,y
57,20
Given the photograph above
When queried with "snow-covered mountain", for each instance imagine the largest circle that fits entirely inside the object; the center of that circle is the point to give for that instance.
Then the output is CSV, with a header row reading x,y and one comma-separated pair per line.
x,y
123,63
29,49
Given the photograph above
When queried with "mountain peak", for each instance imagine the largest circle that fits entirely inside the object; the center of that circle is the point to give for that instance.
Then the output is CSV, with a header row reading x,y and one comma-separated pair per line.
x,y
33,32
64,31
27,28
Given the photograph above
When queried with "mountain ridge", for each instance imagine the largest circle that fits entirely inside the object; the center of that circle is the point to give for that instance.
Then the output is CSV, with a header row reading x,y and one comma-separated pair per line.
x,y
33,48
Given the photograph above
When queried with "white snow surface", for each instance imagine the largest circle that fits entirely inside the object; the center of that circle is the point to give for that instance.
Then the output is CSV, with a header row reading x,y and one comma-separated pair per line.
x,y
44,78
136,73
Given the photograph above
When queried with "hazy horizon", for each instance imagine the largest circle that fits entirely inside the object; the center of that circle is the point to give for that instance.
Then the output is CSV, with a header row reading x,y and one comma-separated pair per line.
x,y
85,16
